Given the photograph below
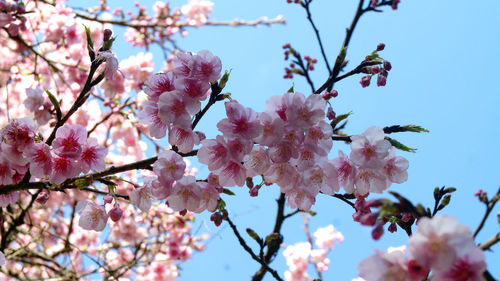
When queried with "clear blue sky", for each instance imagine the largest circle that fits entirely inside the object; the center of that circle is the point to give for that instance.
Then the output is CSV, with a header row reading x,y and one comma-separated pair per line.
x,y
445,58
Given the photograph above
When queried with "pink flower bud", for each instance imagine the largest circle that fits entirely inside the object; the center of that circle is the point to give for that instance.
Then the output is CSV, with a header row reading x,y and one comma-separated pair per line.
x,y
116,213
42,197
378,231
375,69
330,114
107,34
365,81
108,198
382,79
395,4
216,218
387,65
369,219
405,217
254,191
380,47
392,228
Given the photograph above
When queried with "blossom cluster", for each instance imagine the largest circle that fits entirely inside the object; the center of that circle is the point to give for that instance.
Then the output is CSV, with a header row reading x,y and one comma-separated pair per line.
x,y
70,154
174,98
440,245
292,142
300,255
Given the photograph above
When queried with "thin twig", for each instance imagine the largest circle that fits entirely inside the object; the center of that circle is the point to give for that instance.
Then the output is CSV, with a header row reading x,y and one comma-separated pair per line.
x,y
249,250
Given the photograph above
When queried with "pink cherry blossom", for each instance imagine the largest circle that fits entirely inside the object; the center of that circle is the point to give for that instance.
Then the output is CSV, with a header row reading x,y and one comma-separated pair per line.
x,y
183,138
69,141
40,159
326,237
192,88
213,153
231,174
2,259
205,66
92,216
186,195
169,167
395,167
197,11
346,172
173,108
272,128
34,99
142,198
64,168
93,156
257,161
369,149
111,63
390,266
241,122
370,180
159,84
303,112
468,267
9,198
149,116
439,241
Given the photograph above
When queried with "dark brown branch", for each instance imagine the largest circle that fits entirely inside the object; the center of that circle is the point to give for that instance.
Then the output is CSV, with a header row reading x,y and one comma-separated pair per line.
x,y
316,31
252,254
271,251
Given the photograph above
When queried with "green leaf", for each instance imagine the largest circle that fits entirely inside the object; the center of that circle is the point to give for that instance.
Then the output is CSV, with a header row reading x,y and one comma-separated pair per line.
x,y
291,90
400,146
228,192
224,79
449,190
444,202
221,204
339,119
90,43
55,103
254,235
415,128
437,193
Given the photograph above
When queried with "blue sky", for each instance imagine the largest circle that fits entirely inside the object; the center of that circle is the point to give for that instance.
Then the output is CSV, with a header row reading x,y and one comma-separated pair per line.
x,y
444,56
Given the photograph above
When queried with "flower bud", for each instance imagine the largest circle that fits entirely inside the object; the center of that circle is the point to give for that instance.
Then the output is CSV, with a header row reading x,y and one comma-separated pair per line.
x,y
380,47
42,197
365,81
107,34
392,227
108,198
116,213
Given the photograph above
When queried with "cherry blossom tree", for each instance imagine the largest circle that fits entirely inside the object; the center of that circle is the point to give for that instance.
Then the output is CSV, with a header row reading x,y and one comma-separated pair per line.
x,y
96,180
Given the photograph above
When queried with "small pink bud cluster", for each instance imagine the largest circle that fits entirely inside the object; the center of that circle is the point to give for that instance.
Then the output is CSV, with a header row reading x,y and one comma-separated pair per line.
x,y
381,73
310,62
294,1
394,4
300,255
327,95
440,245
176,96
